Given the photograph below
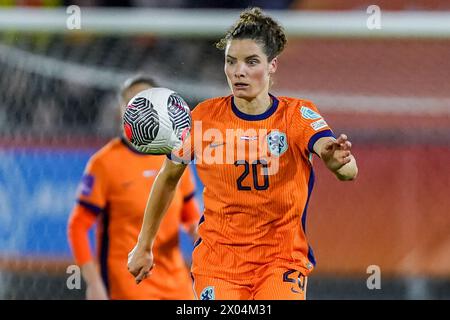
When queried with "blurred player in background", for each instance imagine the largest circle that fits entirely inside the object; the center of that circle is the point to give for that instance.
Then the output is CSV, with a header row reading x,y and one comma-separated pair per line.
x,y
252,241
113,192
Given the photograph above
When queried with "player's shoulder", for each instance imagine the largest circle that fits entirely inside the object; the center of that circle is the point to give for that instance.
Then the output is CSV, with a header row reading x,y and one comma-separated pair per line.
x,y
292,102
212,104
296,106
104,154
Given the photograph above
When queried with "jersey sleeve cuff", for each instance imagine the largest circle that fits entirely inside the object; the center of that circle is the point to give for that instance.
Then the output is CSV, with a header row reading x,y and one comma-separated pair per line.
x,y
178,160
96,210
317,136
188,197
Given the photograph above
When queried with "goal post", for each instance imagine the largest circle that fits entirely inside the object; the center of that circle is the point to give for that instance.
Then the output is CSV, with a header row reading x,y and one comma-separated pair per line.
x,y
210,23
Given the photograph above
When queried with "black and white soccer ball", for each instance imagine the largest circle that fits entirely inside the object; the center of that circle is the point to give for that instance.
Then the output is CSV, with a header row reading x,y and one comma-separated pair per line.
x,y
156,121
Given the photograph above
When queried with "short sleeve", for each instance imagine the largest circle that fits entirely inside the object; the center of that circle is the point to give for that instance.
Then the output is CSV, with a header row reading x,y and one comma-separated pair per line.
x,y
92,189
308,126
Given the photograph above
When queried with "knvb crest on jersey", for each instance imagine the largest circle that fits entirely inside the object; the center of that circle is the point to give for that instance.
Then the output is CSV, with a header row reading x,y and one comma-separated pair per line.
x,y
208,294
309,114
277,142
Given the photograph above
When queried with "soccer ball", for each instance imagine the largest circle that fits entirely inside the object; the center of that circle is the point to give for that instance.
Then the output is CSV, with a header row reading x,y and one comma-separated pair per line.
x,y
156,121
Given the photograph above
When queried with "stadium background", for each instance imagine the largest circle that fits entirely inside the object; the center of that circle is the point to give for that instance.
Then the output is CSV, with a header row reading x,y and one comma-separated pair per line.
x,y
391,95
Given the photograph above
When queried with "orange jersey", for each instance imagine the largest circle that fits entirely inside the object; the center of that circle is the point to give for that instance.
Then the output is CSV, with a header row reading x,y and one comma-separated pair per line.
x,y
258,178
115,186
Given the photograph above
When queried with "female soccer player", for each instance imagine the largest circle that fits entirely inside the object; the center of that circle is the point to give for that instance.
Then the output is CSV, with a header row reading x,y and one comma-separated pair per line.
x,y
253,154
114,192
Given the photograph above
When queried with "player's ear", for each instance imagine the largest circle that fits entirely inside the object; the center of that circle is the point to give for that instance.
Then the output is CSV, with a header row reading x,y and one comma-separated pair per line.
x,y
273,65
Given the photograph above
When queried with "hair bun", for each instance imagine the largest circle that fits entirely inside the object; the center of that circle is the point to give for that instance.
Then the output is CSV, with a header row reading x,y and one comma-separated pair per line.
x,y
254,24
251,15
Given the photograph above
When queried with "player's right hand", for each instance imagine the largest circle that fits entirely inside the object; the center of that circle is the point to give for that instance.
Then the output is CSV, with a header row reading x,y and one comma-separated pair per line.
x,y
140,263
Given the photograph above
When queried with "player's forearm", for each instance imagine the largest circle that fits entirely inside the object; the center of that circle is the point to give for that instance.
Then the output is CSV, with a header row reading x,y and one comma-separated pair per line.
x,y
349,171
90,273
95,289
80,222
161,196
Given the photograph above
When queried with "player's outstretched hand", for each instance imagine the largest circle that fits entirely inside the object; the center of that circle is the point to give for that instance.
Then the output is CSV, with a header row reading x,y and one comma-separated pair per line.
x,y
337,153
140,263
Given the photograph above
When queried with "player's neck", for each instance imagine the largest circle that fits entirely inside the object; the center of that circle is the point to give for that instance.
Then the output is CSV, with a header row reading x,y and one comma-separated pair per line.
x,y
256,106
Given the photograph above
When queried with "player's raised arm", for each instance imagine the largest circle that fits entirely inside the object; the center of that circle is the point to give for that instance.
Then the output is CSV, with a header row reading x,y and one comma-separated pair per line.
x,y
337,156
140,259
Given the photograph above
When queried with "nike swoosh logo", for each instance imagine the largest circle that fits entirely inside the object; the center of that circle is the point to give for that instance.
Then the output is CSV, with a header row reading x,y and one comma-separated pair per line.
x,y
215,145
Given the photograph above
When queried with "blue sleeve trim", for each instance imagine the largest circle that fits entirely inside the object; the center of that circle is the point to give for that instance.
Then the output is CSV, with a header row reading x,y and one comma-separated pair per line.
x,y
174,158
317,136
199,240
93,208
188,197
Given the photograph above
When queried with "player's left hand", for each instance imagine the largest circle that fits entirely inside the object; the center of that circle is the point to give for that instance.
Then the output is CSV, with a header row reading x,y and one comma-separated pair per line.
x,y
336,153
140,263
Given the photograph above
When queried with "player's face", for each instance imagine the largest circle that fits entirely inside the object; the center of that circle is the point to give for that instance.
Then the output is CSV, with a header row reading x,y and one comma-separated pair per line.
x,y
247,68
130,93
